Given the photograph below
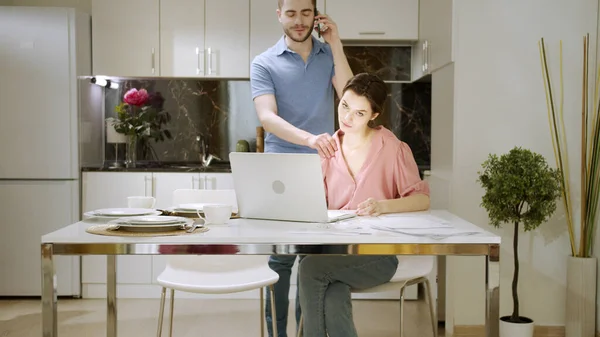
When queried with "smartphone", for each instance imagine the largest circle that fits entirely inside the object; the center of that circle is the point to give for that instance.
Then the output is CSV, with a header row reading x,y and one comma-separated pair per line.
x,y
318,26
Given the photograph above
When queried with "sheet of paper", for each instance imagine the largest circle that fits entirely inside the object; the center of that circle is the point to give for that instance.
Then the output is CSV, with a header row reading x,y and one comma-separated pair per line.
x,y
330,232
406,222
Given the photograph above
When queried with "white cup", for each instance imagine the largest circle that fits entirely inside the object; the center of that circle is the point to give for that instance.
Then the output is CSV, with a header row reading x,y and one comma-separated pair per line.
x,y
141,202
215,214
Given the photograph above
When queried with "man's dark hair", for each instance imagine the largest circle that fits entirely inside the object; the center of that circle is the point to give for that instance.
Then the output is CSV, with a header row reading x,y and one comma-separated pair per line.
x,y
280,3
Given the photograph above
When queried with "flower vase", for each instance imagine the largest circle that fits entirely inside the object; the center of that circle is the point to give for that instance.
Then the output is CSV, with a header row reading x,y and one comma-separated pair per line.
x,y
581,297
131,152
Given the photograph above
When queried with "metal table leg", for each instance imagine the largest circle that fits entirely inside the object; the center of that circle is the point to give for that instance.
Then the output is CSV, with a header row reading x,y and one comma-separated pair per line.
x,y
492,295
111,296
49,322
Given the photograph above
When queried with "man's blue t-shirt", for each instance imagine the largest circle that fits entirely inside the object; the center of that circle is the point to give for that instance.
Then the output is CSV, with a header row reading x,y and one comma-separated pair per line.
x,y
303,91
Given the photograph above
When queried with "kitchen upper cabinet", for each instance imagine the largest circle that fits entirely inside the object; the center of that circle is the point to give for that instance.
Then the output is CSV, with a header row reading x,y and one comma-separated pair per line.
x,y
433,50
182,38
205,38
375,19
125,37
265,29
227,38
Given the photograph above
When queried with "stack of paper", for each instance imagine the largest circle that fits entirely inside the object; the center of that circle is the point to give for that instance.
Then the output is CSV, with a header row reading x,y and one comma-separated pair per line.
x,y
422,225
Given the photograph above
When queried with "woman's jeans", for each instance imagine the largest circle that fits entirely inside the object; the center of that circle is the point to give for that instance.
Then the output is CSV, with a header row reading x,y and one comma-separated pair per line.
x,y
325,283
282,265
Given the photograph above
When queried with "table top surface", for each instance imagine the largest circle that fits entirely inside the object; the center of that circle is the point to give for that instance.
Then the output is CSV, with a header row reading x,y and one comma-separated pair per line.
x,y
355,231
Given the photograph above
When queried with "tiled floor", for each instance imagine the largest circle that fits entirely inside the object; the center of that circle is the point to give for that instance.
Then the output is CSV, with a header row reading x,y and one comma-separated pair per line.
x,y
196,318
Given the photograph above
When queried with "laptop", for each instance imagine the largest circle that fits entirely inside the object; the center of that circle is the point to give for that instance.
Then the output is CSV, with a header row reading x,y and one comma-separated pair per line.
x,y
282,186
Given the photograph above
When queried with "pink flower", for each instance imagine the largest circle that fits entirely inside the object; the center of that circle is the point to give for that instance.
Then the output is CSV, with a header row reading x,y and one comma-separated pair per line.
x,y
135,97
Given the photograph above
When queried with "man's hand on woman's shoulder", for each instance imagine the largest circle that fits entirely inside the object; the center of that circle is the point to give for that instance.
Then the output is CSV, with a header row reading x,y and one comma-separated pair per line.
x,y
324,144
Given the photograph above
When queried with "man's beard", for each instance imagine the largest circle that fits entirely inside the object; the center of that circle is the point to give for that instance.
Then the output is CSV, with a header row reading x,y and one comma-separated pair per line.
x,y
289,33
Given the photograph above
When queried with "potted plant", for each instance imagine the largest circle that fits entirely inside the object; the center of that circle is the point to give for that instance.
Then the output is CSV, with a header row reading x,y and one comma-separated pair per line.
x,y
582,266
141,117
520,189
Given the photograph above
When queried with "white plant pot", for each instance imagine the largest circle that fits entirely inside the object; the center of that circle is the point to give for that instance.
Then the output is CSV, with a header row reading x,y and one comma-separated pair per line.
x,y
508,329
581,297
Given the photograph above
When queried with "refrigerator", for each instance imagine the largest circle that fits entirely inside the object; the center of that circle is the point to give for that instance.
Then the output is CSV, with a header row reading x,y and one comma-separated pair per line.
x,y
42,52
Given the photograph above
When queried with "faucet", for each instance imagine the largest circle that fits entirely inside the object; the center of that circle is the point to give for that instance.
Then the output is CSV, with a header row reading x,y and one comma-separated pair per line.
x,y
205,156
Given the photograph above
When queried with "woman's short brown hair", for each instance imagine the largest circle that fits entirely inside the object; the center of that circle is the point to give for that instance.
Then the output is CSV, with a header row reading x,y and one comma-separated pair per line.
x,y
371,87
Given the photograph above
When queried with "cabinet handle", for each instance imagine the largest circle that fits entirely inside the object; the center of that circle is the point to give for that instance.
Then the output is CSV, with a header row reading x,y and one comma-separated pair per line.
x,y
209,61
152,60
194,183
426,56
153,187
423,57
146,185
371,33
199,69
205,180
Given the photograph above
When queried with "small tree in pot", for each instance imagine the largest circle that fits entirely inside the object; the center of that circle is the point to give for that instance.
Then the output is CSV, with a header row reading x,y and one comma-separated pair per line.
x,y
520,188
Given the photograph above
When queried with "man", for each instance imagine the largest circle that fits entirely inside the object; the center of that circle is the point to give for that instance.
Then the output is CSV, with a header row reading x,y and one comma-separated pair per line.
x,y
293,85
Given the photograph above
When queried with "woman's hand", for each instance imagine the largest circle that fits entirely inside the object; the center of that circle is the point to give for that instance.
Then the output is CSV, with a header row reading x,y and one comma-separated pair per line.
x,y
369,207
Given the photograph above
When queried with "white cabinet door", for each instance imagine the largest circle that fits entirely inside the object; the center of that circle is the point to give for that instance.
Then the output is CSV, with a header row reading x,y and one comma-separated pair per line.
x,y
265,29
125,37
375,19
227,46
29,210
216,181
164,184
35,87
435,22
106,190
182,38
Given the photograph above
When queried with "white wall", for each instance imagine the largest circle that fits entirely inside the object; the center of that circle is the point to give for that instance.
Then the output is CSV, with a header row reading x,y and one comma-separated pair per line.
x,y
82,5
500,103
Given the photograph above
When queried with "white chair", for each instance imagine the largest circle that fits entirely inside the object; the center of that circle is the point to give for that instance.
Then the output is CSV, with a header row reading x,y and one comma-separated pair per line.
x,y
214,274
411,270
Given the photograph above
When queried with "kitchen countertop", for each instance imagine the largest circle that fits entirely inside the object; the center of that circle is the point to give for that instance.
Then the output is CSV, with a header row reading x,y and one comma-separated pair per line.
x,y
221,167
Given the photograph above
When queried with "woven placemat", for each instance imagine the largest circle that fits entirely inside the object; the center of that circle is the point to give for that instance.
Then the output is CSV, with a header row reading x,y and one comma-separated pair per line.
x,y
108,230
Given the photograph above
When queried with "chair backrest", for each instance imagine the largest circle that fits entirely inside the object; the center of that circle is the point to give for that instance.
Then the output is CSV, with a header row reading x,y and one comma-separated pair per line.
x,y
188,196
217,263
413,266
211,263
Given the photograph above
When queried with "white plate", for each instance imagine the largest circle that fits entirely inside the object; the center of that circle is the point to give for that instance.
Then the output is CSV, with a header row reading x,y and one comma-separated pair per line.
x,y
120,212
90,216
149,228
152,220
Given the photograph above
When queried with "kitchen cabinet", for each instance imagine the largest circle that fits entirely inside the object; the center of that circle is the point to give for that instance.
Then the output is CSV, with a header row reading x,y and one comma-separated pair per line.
x,y
165,183
105,190
434,49
125,37
205,38
375,20
265,29
175,38
135,274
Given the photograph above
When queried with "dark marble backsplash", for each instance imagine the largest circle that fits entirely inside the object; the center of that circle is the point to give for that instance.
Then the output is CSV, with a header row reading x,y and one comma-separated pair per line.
x,y
389,63
223,112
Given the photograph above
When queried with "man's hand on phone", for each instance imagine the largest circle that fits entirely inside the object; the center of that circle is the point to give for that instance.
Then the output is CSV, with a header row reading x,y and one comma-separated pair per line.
x,y
324,144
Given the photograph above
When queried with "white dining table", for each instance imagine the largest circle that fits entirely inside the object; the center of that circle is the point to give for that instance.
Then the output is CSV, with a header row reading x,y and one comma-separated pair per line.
x,y
265,237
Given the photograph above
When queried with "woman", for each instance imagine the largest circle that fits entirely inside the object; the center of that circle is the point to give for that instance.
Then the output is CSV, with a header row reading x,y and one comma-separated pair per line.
x,y
373,173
